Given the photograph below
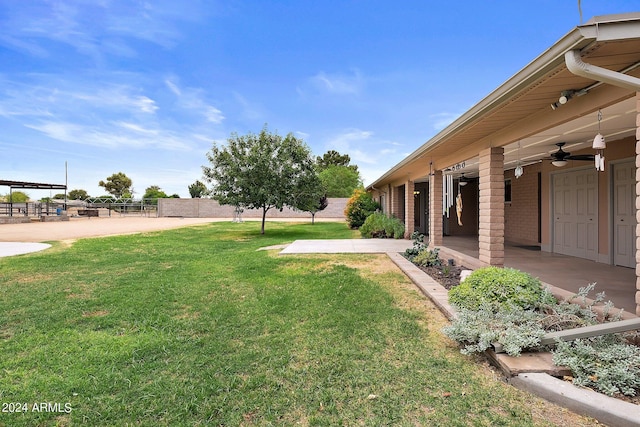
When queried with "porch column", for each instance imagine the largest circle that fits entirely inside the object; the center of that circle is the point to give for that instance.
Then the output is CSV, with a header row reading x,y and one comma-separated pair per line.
x,y
491,229
435,209
638,203
409,201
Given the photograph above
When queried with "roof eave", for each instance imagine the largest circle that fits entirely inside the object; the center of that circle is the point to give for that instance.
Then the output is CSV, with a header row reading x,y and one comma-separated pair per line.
x,y
598,29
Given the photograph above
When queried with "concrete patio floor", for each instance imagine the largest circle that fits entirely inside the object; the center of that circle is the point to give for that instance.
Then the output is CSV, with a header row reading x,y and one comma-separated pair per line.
x,y
562,271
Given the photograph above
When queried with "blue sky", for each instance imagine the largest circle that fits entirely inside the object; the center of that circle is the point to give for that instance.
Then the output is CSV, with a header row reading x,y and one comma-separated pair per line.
x,y
146,87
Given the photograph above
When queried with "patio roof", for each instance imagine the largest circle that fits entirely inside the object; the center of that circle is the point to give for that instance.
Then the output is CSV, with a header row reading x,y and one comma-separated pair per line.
x,y
511,115
32,185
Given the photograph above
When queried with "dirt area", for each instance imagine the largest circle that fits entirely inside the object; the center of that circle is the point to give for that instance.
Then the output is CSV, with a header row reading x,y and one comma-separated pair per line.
x,y
77,228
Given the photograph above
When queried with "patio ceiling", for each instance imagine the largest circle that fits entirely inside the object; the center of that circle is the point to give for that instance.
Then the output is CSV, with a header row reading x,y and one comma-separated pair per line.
x,y
519,112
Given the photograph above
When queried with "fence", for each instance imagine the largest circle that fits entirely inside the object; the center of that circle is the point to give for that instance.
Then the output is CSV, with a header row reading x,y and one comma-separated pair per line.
x,y
208,208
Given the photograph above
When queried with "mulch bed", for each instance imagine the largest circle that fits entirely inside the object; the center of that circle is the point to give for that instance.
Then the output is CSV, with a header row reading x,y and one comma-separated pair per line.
x,y
447,276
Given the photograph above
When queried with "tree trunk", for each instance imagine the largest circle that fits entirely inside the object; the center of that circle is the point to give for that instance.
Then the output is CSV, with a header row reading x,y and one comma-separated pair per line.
x,y
264,216
313,218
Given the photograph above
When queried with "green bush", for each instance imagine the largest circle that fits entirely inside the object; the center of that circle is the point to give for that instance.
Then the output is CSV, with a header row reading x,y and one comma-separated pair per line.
x,y
603,363
499,287
379,225
359,207
427,258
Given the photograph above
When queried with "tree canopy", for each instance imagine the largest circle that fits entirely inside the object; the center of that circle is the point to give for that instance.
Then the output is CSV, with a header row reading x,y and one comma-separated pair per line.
x,y
154,192
197,190
78,194
339,181
118,184
338,176
263,171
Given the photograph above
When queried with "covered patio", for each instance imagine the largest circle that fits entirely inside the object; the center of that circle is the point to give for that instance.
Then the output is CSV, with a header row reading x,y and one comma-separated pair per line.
x,y
549,160
562,271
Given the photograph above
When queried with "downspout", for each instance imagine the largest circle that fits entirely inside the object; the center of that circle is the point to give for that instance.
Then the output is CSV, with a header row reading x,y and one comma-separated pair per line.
x,y
579,68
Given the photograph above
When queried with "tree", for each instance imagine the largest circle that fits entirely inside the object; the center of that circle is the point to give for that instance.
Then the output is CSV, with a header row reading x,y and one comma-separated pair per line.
x,y
59,196
333,158
338,177
17,197
197,190
154,192
339,181
313,206
78,195
117,184
262,171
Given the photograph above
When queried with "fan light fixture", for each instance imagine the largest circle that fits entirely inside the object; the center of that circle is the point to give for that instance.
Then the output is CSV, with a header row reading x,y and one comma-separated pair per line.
x,y
462,181
559,163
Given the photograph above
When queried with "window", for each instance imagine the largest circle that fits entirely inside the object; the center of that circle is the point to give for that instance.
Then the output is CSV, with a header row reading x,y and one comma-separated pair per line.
x,y
507,191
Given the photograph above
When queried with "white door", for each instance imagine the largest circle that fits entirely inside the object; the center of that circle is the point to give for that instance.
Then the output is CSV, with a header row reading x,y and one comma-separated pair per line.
x,y
575,213
624,214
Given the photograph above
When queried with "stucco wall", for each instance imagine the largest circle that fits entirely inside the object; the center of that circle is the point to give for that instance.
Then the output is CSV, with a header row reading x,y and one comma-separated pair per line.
x,y
208,208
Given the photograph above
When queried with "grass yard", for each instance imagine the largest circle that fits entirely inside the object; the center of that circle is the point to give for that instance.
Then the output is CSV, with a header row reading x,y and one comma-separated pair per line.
x,y
194,327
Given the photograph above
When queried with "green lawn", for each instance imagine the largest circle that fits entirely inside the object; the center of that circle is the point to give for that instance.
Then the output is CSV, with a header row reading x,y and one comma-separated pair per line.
x,y
195,327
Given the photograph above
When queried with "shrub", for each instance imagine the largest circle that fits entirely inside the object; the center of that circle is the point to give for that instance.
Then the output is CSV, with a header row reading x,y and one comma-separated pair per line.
x,y
379,225
499,287
603,363
359,207
418,246
427,258
515,328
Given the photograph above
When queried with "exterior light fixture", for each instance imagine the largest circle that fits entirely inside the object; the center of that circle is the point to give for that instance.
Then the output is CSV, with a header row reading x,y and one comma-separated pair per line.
x,y
462,181
599,145
519,171
565,96
559,163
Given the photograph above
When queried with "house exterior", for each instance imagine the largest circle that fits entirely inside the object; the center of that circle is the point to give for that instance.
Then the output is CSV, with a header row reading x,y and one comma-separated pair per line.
x,y
500,172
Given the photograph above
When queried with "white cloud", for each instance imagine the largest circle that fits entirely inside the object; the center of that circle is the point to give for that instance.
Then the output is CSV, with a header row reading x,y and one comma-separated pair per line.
x,y
442,120
334,84
193,99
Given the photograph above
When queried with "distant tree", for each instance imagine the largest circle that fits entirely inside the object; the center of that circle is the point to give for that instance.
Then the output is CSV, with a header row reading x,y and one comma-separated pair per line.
x,y
313,205
334,158
339,181
78,195
338,176
17,197
262,171
118,185
59,196
154,192
197,190
174,196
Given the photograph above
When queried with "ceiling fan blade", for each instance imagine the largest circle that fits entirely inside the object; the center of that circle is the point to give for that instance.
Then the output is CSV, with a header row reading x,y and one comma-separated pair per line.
x,y
582,157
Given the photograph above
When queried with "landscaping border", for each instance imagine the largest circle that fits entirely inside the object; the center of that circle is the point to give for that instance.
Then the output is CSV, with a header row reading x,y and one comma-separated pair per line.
x,y
605,409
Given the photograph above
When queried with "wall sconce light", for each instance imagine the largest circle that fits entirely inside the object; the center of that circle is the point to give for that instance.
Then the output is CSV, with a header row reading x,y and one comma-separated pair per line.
x,y
599,145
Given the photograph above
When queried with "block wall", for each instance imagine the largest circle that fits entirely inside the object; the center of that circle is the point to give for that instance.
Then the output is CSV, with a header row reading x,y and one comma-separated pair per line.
x,y
208,208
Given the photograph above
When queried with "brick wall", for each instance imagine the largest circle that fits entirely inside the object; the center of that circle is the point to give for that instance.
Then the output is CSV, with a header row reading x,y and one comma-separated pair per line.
x,y
208,208
521,215
491,228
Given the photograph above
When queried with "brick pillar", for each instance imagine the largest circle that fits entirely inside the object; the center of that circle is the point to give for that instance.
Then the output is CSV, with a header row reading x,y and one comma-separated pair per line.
x,y
435,209
491,229
638,203
409,201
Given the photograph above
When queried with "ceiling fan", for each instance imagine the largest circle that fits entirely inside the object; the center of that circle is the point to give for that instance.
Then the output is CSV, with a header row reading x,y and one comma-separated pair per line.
x,y
560,157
